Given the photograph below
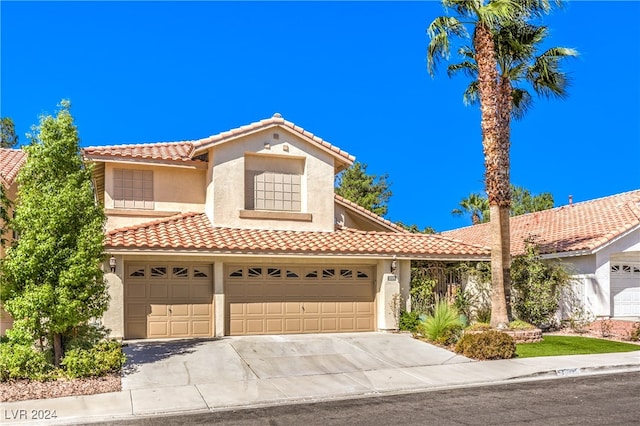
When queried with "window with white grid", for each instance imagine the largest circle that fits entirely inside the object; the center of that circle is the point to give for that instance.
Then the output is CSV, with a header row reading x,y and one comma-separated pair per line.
x,y
133,189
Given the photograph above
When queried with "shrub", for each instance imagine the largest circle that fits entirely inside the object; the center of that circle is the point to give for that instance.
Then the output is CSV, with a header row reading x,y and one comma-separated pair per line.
x,y
479,326
520,325
483,313
634,334
105,357
409,320
537,286
20,361
486,345
443,326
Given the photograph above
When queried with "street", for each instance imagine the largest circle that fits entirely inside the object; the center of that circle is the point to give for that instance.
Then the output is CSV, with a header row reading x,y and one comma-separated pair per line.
x,y
612,399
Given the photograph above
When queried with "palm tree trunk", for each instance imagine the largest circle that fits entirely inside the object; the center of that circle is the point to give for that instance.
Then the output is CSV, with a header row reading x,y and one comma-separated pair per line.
x,y
496,174
505,103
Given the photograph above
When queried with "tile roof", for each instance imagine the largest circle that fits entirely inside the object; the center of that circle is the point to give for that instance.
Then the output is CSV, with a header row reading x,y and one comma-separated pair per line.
x,y
10,162
584,226
193,231
276,120
185,150
166,151
369,214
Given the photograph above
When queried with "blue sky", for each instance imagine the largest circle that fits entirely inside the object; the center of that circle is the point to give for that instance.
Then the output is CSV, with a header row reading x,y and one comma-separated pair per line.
x,y
354,73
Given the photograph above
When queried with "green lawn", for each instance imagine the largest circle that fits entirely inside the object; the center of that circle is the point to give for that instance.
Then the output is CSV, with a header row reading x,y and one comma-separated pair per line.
x,y
572,345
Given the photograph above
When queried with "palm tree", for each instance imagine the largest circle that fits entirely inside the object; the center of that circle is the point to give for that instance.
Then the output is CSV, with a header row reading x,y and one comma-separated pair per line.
x,y
475,205
486,17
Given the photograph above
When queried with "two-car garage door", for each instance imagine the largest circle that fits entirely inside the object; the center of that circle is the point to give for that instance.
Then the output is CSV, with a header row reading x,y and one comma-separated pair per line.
x,y
265,299
176,300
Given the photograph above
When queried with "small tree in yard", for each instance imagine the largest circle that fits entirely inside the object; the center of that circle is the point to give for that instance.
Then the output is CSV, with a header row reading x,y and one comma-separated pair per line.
x,y
51,278
538,286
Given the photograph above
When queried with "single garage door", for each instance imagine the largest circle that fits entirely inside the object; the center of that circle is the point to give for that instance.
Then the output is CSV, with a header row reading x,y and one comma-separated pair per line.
x,y
168,300
625,288
285,300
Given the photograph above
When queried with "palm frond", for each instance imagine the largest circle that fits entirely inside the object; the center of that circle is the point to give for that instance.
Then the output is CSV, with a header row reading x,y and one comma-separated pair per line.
x,y
471,95
522,101
439,32
469,68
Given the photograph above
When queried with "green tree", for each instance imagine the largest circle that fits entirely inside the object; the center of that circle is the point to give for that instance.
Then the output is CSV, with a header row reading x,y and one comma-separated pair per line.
x,y
475,205
51,278
5,206
414,229
537,286
369,191
485,17
522,202
8,137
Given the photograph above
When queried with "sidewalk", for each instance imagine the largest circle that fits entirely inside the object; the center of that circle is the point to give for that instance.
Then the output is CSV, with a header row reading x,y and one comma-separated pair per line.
x,y
143,398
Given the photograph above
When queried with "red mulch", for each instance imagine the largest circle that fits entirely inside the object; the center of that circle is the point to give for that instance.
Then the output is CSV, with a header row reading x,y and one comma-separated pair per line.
x,y
20,390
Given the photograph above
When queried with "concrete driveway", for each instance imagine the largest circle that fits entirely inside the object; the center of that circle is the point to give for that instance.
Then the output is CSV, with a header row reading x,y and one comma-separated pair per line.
x,y
258,369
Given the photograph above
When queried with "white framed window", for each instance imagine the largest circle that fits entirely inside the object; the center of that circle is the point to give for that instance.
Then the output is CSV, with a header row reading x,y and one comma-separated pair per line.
x,y
133,189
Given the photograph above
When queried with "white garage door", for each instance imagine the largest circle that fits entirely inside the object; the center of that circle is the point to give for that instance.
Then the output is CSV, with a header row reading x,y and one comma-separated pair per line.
x,y
625,288
264,299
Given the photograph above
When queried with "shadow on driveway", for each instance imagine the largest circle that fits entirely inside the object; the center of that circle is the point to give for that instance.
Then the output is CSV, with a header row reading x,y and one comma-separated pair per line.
x,y
140,353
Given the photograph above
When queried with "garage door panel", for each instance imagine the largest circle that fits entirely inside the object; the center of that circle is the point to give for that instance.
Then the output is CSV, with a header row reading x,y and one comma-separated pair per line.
x,y
199,291
625,287
179,291
275,308
323,299
159,291
158,310
201,310
181,310
168,301
158,329
137,290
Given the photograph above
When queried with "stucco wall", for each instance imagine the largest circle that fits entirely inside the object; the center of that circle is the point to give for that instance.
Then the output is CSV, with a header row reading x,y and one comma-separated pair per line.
x,y
175,189
227,196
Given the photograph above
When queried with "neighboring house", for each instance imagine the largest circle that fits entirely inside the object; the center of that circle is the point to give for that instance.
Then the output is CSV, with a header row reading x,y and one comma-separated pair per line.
x,y
241,233
10,162
599,240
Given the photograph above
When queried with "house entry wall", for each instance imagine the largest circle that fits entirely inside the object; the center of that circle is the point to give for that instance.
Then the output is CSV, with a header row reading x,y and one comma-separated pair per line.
x,y
264,299
168,300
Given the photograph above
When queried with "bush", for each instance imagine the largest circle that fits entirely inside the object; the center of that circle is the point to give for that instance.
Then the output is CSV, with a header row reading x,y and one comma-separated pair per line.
x,y
520,325
483,313
105,357
479,326
443,326
634,334
486,345
409,321
20,361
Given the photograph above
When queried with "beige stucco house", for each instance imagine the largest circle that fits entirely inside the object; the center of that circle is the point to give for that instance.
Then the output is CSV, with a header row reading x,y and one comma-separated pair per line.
x,y
598,240
241,233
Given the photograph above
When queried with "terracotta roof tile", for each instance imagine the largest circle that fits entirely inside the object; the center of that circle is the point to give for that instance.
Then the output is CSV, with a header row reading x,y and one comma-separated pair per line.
x,y
276,120
193,231
168,151
10,162
581,226
368,213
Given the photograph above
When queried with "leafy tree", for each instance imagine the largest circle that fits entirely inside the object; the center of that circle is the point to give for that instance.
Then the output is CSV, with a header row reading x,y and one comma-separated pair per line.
x,y
485,18
5,206
538,286
51,277
522,202
8,137
475,205
416,230
369,191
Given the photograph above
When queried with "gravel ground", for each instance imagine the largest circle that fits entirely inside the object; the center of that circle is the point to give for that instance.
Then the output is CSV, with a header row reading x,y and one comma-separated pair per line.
x,y
20,390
